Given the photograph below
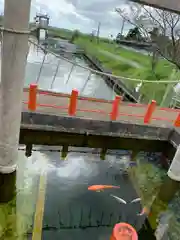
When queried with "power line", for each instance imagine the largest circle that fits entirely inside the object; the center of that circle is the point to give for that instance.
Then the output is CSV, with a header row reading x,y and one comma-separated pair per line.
x,y
103,73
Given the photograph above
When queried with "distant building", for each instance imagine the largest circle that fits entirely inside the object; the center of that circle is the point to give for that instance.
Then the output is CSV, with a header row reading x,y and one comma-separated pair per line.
x,y
42,23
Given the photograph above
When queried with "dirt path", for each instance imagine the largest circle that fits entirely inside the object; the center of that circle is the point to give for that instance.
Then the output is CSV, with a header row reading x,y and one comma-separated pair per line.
x,y
119,58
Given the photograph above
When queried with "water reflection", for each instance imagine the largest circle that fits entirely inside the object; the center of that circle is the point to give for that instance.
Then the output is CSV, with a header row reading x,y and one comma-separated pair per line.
x,y
64,82
70,206
76,208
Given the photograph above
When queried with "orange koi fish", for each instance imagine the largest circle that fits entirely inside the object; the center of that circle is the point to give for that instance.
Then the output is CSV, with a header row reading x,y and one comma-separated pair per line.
x,y
124,231
145,211
99,188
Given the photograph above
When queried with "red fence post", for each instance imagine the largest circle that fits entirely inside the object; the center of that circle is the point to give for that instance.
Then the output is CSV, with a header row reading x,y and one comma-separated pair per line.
x,y
115,108
73,102
32,101
177,121
149,112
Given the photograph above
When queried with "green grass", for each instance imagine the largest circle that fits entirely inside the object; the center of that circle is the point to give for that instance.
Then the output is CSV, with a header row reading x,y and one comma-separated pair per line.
x,y
163,69
57,32
149,90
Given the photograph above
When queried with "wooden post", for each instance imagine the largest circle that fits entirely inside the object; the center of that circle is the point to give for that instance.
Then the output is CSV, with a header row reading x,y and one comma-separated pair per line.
x,y
115,108
134,154
32,101
177,121
14,55
73,103
103,153
28,152
64,151
150,109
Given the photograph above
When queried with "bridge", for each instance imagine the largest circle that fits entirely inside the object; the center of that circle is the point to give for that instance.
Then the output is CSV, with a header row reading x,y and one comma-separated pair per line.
x,y
91,122
84,121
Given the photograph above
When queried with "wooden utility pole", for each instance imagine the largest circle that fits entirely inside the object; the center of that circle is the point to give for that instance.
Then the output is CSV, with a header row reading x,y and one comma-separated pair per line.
x,y
122,27
98,31
14,55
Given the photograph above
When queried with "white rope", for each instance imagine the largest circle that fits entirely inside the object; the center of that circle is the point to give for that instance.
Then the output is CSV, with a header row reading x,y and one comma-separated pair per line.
x,y
10,30
103,73
8,168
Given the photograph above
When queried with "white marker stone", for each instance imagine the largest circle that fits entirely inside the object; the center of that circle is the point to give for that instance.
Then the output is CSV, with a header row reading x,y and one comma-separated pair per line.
x,y
174,170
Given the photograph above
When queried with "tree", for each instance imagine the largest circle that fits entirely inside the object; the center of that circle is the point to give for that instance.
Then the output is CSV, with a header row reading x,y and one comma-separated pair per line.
x,y
119,37
75,35
134,34
159,27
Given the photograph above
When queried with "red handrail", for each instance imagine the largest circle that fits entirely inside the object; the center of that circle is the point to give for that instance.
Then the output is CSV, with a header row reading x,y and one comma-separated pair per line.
x,y
177,121
150,109
115,108
73,103
115,113
32,97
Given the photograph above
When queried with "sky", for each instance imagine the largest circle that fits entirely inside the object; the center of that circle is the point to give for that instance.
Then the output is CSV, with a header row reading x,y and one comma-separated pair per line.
x,y
81,14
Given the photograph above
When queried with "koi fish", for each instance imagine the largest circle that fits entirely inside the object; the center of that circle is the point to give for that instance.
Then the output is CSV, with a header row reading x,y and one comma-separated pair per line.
x,y
136,200
98,188
124,231
118,199
145,211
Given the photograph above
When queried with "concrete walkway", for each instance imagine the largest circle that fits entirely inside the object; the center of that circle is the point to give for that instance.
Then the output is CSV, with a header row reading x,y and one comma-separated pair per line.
x,y
119,58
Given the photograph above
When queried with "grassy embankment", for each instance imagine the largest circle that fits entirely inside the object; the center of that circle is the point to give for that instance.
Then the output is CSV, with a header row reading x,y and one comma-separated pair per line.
x,y
118,67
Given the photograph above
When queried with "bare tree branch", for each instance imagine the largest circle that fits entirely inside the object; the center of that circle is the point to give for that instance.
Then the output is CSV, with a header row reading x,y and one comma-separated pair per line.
x,y
159,27
153,18
143,31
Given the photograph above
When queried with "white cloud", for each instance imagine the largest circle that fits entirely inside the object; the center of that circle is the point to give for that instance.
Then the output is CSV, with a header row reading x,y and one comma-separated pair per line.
x,y
81,14
57,6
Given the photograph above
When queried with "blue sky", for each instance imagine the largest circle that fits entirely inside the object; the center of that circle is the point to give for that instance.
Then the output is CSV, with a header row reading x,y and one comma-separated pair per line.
x,y
81,14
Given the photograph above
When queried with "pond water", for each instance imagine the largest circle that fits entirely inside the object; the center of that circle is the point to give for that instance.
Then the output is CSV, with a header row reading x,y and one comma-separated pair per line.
x,y
60,76
54,192
60,190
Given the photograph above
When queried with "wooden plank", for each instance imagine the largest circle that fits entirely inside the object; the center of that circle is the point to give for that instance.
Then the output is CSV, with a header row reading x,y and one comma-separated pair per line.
x,y
40,205
173,5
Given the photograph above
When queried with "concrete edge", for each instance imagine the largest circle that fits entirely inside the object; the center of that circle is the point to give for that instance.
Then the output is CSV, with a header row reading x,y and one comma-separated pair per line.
x,y
174,137
103,128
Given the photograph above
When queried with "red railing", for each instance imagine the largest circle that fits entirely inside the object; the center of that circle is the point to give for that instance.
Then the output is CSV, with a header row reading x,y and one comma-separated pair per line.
x,y
114,114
